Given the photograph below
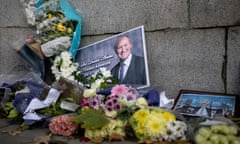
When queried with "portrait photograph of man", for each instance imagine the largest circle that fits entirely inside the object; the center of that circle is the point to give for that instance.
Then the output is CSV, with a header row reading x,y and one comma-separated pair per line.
x,y
131,68
123,54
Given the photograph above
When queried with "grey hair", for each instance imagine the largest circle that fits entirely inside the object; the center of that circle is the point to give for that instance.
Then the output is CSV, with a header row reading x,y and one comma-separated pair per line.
x,y
119,38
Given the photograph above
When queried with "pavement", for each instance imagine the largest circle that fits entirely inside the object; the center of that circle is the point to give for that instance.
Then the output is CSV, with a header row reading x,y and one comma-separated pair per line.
x,y
28,136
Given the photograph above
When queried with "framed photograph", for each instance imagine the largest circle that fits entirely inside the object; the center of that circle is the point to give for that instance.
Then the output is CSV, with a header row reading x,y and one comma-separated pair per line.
x,y
205,104
123,54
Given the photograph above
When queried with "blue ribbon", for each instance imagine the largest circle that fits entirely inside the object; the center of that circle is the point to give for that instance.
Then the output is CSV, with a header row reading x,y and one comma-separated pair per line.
x,y
70,13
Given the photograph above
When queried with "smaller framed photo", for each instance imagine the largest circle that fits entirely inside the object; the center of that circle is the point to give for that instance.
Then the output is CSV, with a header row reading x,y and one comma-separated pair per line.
x,y
205,104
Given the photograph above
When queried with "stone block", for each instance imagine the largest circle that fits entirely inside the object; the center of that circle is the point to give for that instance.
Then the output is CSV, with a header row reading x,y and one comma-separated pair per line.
x,y
233,59
112,16
212,13
186,60
12,14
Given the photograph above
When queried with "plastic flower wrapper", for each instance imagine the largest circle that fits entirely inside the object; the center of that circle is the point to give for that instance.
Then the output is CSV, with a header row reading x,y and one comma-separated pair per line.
x,y
156,125
63,125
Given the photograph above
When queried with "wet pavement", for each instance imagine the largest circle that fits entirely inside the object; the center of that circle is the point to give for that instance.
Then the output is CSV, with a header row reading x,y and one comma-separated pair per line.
x,y
29,136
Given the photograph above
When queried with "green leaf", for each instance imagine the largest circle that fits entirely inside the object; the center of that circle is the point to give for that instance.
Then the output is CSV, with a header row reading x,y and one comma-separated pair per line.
x,y
8,106
91,119
13,113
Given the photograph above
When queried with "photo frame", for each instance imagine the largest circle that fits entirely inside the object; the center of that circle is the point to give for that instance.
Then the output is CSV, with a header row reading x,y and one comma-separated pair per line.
x,y
205,104
103,55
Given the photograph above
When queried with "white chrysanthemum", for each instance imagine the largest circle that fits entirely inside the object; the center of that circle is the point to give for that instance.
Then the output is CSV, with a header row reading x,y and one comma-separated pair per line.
x,y
74,67
71,78
175,129
66,73
57,59
65,55
64,68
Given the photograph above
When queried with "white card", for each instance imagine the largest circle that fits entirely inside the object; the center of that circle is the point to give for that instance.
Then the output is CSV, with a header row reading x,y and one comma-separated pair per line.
x,y
52,96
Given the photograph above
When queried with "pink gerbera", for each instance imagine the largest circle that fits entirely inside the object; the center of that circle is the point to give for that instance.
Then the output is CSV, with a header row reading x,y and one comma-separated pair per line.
x,y
119,90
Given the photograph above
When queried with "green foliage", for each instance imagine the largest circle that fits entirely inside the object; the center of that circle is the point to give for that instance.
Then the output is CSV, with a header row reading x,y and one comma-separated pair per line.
x,y
13,113
126,113
91,119
52,110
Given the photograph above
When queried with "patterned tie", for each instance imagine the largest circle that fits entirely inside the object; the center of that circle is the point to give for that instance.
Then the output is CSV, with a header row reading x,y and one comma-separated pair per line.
x,y
121,71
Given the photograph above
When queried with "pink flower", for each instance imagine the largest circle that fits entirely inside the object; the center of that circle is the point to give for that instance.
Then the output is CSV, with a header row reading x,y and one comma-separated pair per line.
x,y
62,125
119,90
92,102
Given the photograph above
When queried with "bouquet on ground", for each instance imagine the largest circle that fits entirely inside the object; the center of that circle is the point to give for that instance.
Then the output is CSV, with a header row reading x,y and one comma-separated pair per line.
x,y
99,116
152,124
221,133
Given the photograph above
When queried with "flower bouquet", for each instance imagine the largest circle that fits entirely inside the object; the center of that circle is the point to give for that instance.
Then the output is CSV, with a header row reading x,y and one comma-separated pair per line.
x,y
152,124
54,19
99,115
63,125
63,66
219,132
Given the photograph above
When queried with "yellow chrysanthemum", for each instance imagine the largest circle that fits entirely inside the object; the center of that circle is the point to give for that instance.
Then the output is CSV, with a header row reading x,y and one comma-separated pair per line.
x,y
69,30
157,114
155,127
61,27
141,116
50,15
169,116
140,129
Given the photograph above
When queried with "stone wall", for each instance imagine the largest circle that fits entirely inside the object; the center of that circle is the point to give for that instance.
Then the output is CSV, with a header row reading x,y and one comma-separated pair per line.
x,y
191,44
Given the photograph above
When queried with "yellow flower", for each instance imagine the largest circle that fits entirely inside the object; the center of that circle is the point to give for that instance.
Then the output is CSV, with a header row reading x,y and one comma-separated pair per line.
x,y
140,129
141,116
69,30
157,114
155,127
169,116
61,27
53,28
50,15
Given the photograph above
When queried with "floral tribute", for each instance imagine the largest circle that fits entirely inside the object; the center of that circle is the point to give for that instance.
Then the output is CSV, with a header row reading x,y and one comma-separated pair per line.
x,y
217,133
63,125
154,124
99,114
63,66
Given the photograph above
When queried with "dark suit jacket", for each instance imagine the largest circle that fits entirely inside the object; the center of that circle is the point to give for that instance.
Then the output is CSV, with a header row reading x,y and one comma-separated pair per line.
x,y
135,74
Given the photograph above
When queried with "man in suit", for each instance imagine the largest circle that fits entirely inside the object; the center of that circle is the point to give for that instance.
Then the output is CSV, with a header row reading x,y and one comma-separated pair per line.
x,y
131,68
